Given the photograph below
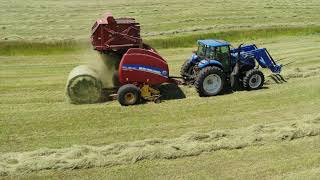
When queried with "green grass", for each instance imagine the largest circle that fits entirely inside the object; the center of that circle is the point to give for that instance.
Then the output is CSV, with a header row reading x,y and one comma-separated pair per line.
x,y
35,113
235,35
32,91
41,42
26,48
29,48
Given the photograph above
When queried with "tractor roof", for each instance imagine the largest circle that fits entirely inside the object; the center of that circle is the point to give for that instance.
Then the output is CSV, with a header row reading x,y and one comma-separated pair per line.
x,y
214,42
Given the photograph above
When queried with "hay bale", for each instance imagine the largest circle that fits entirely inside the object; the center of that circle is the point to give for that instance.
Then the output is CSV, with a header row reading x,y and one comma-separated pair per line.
x,y
86,83
84,86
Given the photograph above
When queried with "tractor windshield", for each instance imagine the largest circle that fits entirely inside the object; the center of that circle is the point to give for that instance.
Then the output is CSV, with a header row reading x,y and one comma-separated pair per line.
x,y
201,50
211,52
220,53
206,51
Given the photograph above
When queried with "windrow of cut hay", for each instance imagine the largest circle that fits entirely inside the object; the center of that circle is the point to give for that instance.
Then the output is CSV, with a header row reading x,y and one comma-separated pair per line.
x,y
191,144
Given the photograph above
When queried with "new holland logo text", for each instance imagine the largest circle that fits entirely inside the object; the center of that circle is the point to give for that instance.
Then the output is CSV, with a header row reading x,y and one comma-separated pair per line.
x,y
146,69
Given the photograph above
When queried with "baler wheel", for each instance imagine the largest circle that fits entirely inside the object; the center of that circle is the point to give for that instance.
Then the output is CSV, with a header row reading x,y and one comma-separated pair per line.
x,y
210,81
128,94
253,79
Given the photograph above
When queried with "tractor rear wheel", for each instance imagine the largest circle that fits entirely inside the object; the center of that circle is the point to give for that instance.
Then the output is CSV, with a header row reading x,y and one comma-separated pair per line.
x,y
128,94
210,81
253,79
187,69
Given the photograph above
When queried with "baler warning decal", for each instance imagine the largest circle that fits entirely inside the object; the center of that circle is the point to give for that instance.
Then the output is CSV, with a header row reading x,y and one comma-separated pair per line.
x,y
149,69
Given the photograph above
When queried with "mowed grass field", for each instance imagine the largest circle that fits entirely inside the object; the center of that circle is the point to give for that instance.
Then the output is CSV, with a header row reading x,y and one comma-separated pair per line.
x,y
36,117
72,19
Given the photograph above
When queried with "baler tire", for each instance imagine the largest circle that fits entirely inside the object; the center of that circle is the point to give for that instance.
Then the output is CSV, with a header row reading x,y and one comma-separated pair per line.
x,y
186,69
129,94
203,74
257,76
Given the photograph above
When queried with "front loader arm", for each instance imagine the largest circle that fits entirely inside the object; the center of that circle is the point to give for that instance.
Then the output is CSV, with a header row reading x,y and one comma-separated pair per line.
x,y
265,60
262,56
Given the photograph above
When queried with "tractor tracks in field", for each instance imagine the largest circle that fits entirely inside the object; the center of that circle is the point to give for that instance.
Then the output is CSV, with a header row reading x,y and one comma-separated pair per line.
x,y
190,144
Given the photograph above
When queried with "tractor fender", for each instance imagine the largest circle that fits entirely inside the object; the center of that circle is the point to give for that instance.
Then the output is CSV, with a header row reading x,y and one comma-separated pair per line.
x,y
205,63
194,59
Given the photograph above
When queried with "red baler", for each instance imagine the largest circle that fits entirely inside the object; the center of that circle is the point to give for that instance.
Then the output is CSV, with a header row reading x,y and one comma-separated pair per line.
x,y
139,68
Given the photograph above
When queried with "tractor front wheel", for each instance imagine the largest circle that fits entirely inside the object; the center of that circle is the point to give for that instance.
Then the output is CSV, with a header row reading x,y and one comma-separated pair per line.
x,y
128,94
253,79
210,81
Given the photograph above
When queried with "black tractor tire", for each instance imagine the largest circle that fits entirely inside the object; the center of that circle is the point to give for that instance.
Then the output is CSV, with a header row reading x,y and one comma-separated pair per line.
x,y
187,69
128,94
253,79
202,79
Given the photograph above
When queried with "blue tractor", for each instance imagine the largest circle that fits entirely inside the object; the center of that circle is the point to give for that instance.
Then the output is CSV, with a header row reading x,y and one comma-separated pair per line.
x,y
215,66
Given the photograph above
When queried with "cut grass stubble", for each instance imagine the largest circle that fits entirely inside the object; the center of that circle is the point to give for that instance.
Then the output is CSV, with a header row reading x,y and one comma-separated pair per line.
x,y
190,144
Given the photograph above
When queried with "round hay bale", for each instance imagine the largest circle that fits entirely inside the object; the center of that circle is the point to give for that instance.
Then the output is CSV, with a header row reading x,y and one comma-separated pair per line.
x,y
84,86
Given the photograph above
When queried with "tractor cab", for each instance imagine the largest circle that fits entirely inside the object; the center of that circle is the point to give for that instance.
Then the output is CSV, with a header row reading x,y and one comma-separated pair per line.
x,y
214,51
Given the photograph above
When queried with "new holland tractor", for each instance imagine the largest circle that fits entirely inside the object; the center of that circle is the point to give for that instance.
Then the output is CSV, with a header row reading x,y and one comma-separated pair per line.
x,y
215,66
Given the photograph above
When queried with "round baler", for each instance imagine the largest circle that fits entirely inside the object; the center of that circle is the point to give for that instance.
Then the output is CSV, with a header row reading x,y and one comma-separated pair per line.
x,y
136,68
